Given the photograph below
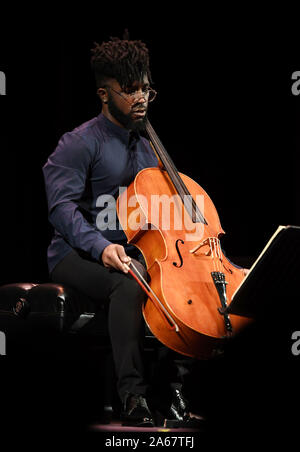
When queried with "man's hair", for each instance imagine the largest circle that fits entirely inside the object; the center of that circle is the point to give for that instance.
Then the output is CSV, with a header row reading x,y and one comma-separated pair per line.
x,y
121,59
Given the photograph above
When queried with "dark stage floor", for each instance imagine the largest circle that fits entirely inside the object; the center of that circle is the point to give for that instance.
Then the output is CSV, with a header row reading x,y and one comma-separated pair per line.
x,y
116,426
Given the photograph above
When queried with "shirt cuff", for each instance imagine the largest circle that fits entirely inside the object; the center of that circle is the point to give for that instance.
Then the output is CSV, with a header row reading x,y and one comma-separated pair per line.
x,y
98,248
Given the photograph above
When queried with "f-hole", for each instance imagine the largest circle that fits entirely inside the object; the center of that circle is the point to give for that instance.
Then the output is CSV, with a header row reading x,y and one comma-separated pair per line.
x,y
179,254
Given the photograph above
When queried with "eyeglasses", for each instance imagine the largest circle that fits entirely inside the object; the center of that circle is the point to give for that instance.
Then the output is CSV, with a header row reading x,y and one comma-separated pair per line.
x,y
133,95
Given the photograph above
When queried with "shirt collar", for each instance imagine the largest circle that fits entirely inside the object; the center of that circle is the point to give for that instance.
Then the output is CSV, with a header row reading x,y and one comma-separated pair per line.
x,y
112,129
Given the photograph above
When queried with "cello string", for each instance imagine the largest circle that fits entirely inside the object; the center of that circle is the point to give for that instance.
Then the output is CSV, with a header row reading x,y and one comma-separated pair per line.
x,y
181,188
213,247
217,243
220,255
216,253
172,172
212,253
167,161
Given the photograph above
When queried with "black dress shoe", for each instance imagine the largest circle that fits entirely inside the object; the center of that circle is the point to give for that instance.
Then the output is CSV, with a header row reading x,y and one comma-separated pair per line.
x,y
136,412
179,415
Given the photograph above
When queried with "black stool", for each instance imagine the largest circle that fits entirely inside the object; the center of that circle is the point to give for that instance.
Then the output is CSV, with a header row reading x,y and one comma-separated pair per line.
x,y
51,320
60,328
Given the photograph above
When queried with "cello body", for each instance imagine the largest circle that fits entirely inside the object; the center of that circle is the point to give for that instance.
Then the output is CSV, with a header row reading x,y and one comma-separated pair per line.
x,y
184,261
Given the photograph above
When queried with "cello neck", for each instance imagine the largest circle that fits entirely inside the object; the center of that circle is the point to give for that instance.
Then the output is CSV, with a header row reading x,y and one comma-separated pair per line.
x,y
180,187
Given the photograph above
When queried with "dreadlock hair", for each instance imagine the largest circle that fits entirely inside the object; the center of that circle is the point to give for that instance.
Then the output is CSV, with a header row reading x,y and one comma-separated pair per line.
x,y
122,59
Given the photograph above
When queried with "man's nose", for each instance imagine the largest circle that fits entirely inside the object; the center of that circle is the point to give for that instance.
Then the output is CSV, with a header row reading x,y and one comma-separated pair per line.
x,y
141,99
140,94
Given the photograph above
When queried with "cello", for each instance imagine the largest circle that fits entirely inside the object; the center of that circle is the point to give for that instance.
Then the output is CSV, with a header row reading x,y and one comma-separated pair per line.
x,y
173,222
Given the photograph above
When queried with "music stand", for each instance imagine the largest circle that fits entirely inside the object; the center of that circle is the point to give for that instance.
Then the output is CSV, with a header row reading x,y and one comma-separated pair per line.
x,y
273,280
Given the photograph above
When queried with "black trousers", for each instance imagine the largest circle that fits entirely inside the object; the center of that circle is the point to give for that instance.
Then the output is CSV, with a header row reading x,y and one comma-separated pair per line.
x,y
123,298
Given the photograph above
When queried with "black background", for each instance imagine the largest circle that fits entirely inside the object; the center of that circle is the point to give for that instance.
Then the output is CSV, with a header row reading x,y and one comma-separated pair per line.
x,y
225,113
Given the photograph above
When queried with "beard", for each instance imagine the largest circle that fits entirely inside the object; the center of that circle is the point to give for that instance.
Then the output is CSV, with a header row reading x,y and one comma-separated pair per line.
x,y
137,125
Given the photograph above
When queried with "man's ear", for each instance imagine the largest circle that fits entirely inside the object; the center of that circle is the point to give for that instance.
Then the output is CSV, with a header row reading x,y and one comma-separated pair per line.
x,y
102,93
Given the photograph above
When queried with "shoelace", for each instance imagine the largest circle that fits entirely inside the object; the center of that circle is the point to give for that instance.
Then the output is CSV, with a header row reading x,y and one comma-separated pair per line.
x,y
181,400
